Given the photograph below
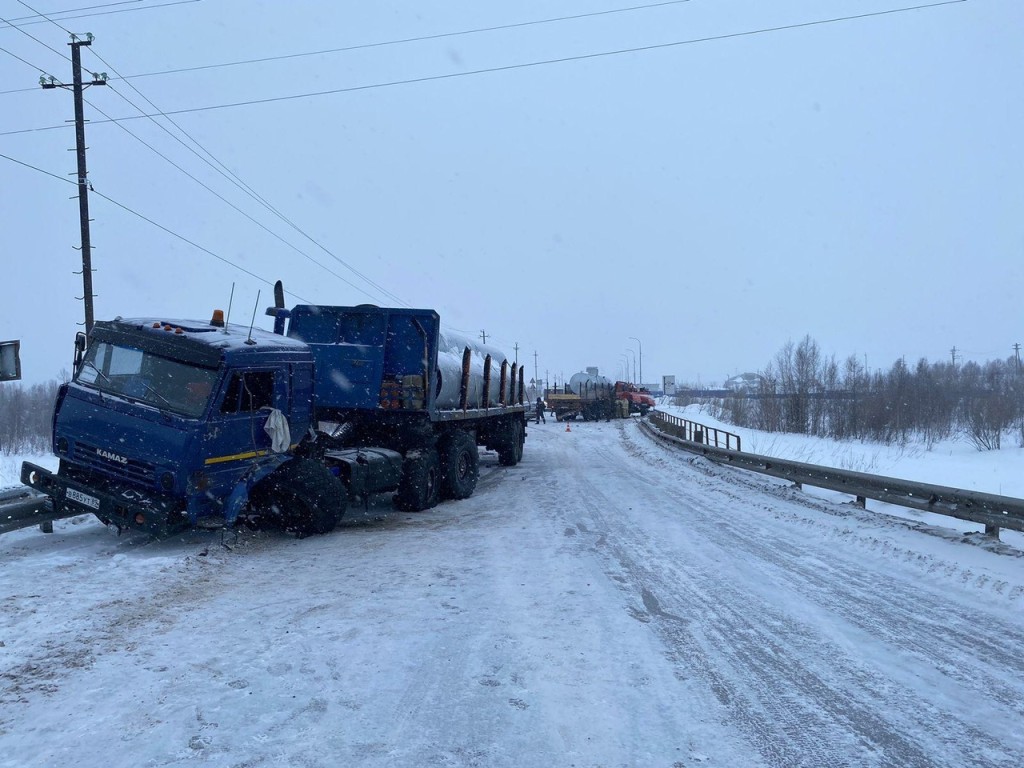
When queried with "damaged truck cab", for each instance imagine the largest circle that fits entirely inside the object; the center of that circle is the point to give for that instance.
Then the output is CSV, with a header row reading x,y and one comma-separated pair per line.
x,y
169,424
163,425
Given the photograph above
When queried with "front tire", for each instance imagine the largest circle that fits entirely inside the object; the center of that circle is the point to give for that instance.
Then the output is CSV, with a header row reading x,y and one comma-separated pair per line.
x,y
305,496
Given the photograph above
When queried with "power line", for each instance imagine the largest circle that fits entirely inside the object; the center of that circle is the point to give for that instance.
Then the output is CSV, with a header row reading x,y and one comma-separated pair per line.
x,y
45,18
514,67
368,45
36,16
418,39
224,199
154,223
525,65
193,244
238,181
45,45
27,20
158,226
35,168
234,179
23,61
165,229
36,20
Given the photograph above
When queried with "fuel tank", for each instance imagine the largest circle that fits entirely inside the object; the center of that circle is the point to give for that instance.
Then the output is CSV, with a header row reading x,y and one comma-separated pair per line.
x,y
590,386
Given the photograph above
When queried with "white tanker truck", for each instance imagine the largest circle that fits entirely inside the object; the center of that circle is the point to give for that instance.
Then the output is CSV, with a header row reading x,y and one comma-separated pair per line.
x,y
588,395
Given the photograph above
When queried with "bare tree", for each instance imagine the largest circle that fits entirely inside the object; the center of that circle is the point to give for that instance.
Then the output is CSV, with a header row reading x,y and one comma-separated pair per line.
x,y
25,417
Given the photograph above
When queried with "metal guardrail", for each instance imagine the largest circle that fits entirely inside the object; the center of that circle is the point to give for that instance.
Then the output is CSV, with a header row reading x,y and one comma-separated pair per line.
x,y
24,507
697,433
990,510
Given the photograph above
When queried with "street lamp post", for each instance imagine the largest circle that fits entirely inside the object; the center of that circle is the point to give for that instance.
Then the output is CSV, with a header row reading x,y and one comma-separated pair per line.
x,y
634,338
634,363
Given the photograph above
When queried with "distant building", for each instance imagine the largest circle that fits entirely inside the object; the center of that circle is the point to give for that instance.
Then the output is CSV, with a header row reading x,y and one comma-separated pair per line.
x,y
743,381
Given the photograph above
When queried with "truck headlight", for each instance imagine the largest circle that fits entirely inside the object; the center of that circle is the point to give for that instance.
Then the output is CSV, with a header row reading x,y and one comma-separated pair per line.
x,y
167,481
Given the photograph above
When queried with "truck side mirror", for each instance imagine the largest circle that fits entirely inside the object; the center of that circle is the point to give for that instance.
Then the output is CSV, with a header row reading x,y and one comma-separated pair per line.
x,y
10,360
80,341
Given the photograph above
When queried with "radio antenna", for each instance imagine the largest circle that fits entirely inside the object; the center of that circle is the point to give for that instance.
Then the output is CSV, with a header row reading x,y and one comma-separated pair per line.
x,y
253,322
231,298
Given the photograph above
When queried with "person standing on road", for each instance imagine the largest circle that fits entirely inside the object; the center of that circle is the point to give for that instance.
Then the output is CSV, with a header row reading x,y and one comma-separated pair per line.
x,y
540,412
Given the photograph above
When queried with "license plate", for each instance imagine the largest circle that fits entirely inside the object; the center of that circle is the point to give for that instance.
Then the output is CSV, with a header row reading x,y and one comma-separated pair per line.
x,y
82,498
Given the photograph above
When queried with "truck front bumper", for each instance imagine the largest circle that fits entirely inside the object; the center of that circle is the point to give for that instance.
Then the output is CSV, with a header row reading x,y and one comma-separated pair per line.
x,y
113,503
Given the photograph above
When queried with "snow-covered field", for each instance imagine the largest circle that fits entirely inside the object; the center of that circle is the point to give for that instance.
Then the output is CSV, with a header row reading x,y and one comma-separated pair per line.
x,y
609,602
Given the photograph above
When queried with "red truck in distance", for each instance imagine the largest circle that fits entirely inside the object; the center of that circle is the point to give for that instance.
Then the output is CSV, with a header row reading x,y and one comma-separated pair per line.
x,y
639,399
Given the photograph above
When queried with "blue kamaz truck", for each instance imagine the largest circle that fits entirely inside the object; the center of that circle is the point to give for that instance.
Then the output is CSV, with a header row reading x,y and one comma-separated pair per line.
x,y
173,424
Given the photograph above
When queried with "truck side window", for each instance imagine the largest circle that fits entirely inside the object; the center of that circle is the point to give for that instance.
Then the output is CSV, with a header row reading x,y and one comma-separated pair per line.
x,y
249,392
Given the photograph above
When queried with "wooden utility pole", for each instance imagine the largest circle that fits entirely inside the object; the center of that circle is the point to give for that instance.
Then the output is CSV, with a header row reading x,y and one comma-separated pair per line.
x,y
77,88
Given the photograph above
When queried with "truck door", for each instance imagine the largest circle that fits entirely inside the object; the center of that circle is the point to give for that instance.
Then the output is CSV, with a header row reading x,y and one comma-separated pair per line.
x,y
236,432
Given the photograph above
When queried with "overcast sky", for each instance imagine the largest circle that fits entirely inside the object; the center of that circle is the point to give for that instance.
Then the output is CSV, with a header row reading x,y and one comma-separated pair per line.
x,y
666,171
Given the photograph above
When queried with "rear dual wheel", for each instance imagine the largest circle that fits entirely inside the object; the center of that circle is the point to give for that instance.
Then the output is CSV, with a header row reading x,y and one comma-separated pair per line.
x,y
510,452
460,466
420,486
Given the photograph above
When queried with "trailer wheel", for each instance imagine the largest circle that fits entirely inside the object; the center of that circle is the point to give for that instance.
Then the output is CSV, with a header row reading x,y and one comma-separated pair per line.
x,y
305,496
511,451
420,486
460,466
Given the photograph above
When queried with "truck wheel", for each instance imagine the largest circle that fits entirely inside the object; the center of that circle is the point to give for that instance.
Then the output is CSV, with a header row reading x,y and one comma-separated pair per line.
x,y
460,466
420,486
305,496
511,452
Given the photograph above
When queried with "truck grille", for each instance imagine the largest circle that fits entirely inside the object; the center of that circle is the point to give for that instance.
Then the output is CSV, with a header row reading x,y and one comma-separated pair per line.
x,y
141,472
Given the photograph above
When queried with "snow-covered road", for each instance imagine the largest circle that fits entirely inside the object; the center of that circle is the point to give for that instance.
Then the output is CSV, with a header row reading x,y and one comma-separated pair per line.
x,y
608,602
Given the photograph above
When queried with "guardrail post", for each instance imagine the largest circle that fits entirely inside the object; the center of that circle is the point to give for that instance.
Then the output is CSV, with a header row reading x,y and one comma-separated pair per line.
x,y
46,527
992,530
862,502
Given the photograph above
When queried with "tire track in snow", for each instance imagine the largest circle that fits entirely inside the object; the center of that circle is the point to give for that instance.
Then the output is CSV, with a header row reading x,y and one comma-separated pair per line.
x,y
756,657
976,661
741,663
156,577
919,624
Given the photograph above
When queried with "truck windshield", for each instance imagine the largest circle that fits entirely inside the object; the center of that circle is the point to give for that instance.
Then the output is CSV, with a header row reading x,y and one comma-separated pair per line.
x,y
147,378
